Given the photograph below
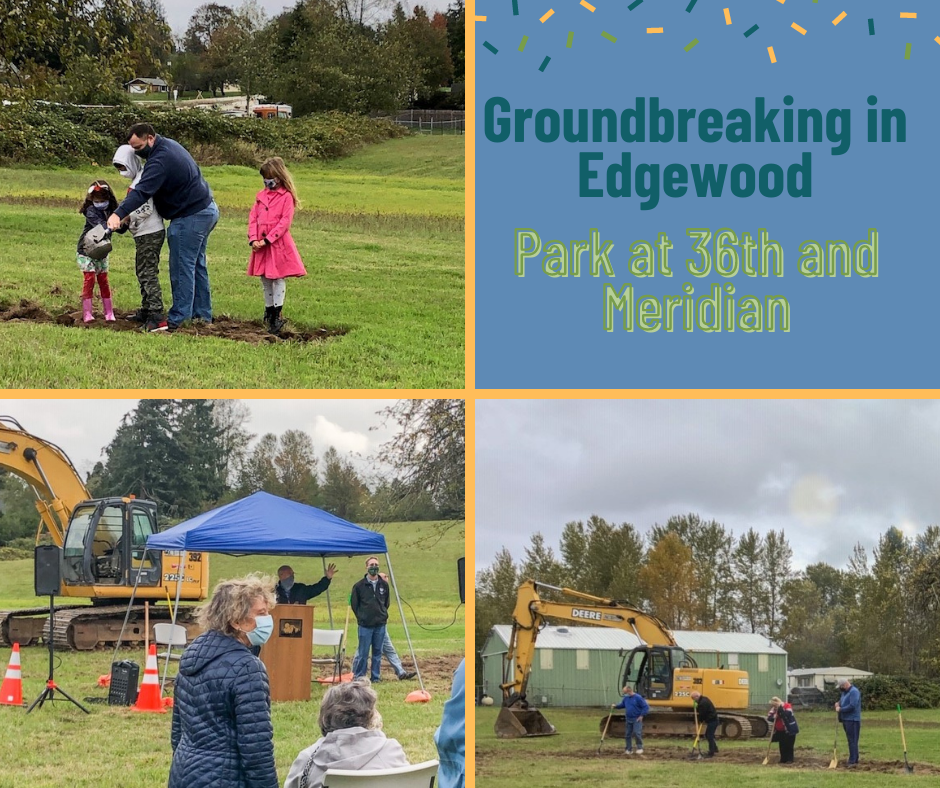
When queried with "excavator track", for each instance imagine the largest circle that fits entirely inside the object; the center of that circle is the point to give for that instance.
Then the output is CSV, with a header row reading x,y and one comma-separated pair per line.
x,y
24,626
735,727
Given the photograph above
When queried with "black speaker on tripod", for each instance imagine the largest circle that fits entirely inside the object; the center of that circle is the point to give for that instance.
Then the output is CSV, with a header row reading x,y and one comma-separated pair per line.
x,y
47,578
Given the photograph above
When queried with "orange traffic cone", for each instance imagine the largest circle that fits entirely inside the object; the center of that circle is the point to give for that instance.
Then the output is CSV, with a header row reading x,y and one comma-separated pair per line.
x,y
148,698
11,693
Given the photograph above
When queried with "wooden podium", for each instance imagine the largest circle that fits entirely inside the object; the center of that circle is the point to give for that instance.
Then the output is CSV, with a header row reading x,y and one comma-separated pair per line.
x,y
287,653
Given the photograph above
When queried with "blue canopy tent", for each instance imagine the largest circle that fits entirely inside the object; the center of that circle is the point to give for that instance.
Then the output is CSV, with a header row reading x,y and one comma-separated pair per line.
x,y
265,524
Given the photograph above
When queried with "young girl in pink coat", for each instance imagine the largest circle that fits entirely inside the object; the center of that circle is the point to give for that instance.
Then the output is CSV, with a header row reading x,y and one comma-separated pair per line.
x,y
274,254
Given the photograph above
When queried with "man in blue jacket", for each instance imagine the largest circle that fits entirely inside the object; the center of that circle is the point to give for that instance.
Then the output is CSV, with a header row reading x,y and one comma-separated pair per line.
x,y
180,193
849,709
635,707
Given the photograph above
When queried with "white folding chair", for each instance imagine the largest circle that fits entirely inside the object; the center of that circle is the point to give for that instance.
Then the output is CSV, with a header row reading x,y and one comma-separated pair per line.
x,y
419,775
333,638
169,635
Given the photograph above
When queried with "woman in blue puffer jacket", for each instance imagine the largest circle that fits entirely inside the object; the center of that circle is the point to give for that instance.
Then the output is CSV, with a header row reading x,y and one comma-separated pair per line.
x,y
222,734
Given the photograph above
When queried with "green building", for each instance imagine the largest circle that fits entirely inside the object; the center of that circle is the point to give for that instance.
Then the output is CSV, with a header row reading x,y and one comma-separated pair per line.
x,y
583,666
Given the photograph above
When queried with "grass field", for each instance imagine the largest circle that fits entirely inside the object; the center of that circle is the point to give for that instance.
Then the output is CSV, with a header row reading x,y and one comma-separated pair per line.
x,y
571,757
381,235
118,747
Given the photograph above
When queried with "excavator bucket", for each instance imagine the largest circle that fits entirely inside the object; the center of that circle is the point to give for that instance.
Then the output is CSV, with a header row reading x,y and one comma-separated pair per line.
x,y
521,723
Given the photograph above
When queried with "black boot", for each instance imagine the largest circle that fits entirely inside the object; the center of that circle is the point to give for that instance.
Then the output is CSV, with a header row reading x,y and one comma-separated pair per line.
x,y
276,322
268,311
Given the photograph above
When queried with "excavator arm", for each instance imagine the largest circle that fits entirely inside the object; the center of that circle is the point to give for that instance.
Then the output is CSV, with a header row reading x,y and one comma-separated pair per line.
x,y
47,470
530,616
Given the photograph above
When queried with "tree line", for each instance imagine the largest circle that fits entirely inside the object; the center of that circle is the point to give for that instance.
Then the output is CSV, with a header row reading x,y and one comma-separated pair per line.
x,y
360,56
192,455
880,614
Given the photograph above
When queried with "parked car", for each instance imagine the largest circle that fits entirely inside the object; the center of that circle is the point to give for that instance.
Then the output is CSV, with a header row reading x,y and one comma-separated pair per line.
x,y
806,697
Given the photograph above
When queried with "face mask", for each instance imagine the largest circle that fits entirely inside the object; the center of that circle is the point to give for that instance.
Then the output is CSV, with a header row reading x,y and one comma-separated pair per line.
x,y
264,626
144,152
271,183
100,205
373,570
287,583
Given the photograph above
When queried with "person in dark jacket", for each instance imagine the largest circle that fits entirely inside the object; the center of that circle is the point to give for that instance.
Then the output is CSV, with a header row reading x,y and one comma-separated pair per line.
x,y
180,193
708,714
635,708
849,709
221,734
369,601
289,592
784,727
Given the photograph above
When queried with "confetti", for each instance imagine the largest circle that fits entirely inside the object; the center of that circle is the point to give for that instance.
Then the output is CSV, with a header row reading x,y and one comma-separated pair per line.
x,y
751,30
490,47
515,7
798,29
654,30
634,4
522,43
692,43
544,63
479,19
727,16
937,39
690,6
839,18
587,5
546,15
906,15
907,51
570,39
609,37
781,3
871,27
773,57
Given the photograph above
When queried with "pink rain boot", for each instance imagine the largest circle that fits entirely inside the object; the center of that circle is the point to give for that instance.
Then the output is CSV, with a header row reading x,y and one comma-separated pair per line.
x,y
87,316
108,310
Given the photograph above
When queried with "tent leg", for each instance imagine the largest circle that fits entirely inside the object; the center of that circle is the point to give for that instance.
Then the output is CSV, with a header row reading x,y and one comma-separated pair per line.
x,y
174,612
127,615
329,604
401,610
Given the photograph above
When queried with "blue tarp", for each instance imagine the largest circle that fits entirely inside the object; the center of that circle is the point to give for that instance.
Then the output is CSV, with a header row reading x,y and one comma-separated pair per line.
x,y
265,524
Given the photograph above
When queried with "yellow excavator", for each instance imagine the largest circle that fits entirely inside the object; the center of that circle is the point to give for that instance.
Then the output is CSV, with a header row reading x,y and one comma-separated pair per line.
x,y
103,553
659,670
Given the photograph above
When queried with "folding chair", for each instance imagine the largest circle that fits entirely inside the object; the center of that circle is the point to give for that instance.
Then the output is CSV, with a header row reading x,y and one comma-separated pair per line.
x,y
333,638
169,635
419,775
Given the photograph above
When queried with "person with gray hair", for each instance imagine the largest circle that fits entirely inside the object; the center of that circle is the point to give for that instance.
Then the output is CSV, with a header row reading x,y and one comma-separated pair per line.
x,y
222,735
352,738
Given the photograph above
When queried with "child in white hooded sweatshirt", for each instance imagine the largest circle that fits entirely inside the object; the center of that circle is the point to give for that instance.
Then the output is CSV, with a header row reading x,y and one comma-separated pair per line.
x,y
146,226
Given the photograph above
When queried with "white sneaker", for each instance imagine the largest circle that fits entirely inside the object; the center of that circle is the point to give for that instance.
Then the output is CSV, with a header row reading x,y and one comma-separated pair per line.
x,y
628,752
639,751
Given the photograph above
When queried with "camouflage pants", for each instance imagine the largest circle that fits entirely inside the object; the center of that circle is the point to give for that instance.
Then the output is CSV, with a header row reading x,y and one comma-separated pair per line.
x,y
148,263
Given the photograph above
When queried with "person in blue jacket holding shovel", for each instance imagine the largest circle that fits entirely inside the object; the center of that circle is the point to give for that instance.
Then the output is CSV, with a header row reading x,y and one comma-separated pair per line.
x,y
635,707
849,709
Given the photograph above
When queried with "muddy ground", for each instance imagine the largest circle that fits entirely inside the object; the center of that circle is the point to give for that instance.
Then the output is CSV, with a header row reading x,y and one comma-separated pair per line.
x,y
222,326
804,760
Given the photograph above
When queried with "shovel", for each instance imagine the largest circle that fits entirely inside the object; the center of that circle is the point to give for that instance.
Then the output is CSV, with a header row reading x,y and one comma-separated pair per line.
x,y
604,734
907,767
769,744
696,747
835,753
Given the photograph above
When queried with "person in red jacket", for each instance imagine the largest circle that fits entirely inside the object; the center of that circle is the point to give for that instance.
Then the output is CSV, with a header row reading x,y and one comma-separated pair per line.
x,y
785,727
274,255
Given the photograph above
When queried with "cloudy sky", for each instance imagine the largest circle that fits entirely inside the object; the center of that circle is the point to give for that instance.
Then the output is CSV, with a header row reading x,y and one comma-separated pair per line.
x,y
830,473
84,427
179,12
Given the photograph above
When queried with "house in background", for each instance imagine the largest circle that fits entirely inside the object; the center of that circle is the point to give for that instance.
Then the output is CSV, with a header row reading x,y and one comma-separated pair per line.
x,y
823,678
146,85
583,666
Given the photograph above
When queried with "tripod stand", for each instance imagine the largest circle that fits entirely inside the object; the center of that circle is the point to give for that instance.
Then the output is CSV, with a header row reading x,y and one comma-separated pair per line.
x,y
51,687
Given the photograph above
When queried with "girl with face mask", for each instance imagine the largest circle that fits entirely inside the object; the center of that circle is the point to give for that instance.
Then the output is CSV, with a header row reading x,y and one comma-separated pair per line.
x,y
221,732
274,255
98,205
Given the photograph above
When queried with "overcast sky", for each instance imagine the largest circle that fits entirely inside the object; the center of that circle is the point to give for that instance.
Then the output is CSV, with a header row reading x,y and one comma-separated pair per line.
x,y
830,473
84,427
179,12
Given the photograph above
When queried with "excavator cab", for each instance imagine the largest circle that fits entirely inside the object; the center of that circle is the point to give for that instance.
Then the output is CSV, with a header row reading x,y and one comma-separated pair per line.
x,y
649,670
105,544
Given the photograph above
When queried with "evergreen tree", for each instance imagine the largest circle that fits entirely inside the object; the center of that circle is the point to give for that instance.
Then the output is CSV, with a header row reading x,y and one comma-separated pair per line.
x,y
342,491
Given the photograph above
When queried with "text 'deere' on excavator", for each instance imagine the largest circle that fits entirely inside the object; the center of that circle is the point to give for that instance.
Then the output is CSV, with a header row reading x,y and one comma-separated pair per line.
x,y
659,670
104,556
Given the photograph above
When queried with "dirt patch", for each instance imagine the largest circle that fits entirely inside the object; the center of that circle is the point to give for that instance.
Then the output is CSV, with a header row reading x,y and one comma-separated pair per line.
x,y
223,326
740,757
